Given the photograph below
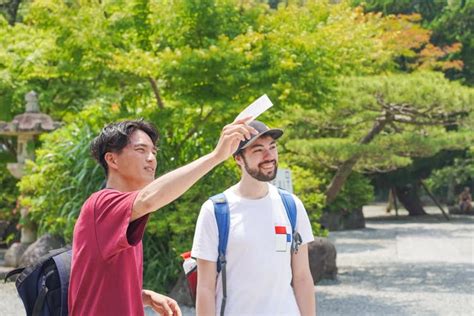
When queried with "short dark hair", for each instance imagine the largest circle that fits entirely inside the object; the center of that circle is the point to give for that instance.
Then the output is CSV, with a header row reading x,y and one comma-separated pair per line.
x,y
115,136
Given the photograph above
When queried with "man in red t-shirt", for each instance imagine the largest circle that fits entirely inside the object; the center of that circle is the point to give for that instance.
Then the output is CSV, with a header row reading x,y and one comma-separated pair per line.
x,y
107,261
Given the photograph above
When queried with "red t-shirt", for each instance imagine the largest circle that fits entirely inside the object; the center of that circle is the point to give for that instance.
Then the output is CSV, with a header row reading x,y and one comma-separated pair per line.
x,y
107,257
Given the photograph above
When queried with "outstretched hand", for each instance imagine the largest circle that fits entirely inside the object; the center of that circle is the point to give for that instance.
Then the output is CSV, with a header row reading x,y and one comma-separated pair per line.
x,y
231,136
163,305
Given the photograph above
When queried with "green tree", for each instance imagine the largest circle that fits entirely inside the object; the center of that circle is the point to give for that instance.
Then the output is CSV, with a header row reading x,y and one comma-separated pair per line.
x,y
456,24
382,123
451,23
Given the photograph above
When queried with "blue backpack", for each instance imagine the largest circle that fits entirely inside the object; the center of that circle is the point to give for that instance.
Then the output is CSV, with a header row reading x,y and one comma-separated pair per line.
x,y
221,210
43,287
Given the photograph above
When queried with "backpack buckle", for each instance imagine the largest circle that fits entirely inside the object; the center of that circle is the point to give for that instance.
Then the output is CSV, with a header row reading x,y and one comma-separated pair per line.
x,y
296,242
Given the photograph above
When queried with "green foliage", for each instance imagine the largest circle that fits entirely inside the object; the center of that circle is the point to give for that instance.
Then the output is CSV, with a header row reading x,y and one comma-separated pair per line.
x,y
428,9
8,195
456,177
308,186
456,24
451,22
356,192
312,177
201,23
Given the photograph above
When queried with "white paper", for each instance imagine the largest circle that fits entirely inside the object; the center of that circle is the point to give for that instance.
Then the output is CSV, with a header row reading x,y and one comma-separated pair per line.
x,y
256,108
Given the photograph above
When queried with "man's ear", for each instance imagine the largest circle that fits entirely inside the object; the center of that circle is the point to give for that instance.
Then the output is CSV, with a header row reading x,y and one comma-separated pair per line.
x,y
239,160
111,160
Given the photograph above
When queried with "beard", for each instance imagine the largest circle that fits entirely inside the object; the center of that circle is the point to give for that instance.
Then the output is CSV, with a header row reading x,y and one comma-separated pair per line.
x,y
258,174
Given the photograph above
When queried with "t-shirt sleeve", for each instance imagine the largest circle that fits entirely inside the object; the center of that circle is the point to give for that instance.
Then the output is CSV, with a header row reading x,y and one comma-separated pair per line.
x,y
112,212
303,225
206,238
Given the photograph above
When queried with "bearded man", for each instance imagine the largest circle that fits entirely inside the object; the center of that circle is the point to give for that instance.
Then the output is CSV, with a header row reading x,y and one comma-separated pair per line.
x,y
263,276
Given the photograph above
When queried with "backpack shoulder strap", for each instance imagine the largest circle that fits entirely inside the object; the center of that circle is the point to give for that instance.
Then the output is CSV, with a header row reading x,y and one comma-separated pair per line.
x,y
12,273
63,264
290,207
221,211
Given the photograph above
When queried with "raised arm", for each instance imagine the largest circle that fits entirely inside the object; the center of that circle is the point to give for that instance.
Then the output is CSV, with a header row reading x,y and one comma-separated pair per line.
x,y
172,185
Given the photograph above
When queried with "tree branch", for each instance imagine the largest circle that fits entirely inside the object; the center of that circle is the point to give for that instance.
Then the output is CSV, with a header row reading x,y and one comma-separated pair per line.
x,y
195,128
345,169
412,121
156,91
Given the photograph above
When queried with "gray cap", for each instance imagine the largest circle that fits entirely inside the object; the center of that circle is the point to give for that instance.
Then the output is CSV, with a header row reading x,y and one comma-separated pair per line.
x,y
262,130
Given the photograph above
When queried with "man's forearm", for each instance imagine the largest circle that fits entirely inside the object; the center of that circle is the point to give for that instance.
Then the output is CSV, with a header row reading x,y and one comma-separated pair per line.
x,y
305,296
205,302
172,185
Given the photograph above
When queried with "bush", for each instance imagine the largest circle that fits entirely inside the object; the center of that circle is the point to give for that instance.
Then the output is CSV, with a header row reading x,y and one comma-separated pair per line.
x,y
8,195
355,193
307,186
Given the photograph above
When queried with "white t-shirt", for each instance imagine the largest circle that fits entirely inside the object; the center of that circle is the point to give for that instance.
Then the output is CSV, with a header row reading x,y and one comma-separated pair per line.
x,y
258,253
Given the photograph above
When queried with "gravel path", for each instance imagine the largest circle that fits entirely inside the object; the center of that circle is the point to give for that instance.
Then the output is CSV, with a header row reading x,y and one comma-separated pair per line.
x,y
401,266
395,266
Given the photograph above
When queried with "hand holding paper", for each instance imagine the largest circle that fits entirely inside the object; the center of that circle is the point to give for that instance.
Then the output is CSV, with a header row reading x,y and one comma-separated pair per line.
x,y
256,108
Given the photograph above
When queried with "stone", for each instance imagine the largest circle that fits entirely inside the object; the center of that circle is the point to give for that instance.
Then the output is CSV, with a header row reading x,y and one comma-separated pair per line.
x,y
343,220
180,292
322,259
40,248
455,209
14,254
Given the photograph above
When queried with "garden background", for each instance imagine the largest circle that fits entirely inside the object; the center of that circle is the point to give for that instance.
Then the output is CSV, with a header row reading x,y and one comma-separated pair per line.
x,y
371,95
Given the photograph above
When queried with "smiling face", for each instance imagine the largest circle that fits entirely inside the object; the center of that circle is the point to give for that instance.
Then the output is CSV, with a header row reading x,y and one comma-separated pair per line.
x,y
136,163
260,160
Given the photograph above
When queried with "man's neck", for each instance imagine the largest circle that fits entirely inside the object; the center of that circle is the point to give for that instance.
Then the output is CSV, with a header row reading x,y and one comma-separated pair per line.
x,y
120,184
251,188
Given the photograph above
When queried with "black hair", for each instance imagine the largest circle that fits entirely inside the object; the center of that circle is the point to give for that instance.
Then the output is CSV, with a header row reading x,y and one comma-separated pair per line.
x,y
115,136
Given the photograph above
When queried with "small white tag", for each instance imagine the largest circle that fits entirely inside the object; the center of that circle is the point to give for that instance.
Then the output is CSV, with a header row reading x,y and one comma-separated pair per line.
x,y
280,238
256,108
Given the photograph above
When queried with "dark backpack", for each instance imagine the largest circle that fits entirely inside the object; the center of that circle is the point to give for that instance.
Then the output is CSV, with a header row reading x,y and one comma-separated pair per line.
x,y
43,287
221,211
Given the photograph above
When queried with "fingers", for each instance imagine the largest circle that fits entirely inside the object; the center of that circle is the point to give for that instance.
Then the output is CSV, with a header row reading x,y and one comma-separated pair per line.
x,y
167,307
163,309
244,120
175,308
241,128
234,137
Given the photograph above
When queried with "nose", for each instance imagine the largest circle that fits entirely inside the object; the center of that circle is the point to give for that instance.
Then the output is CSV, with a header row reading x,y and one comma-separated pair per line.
x,y
150,157
268,155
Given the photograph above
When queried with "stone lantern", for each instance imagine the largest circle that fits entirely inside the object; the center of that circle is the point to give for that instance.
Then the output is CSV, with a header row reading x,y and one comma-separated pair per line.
x,y
25,127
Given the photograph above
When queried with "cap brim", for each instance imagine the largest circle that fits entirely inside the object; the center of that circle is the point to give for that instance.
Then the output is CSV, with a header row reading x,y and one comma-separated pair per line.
x,y
275,133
